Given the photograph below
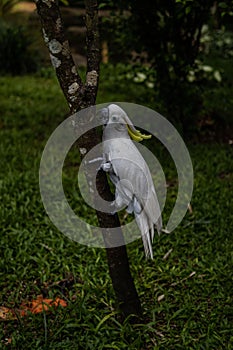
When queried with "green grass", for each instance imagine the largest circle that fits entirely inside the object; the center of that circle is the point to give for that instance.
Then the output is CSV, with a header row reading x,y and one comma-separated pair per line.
x,y
196,311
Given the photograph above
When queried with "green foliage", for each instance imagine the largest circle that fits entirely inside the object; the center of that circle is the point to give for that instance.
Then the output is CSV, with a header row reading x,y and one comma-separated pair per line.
x,y
64,2
16,54
6,6
166,35
224,12
124,82
114,30
187,297
216,80
219,43
168,32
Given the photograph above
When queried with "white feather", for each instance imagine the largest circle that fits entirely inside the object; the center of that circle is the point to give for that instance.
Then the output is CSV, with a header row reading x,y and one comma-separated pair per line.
x,y
137,189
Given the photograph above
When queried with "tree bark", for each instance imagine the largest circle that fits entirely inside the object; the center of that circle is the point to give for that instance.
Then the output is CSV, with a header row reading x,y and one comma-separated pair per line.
x,y
80,95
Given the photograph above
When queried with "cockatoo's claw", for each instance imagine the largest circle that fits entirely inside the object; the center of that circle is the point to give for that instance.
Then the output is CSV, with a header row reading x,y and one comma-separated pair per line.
x,y
130,208
114,208
106,166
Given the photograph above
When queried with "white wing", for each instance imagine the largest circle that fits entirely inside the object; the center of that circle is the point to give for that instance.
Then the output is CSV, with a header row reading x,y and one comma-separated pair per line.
x,y
134,187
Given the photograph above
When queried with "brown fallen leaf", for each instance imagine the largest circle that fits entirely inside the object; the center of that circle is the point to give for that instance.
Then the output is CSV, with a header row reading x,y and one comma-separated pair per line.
x,y
7,314
42,304
36,306
8,341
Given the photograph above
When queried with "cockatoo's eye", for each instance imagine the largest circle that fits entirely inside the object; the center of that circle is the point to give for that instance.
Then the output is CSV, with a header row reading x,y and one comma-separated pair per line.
x,y
115,118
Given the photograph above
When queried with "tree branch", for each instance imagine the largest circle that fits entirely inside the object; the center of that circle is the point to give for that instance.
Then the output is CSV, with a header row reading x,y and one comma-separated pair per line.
x,y
80,96
93,50
61,58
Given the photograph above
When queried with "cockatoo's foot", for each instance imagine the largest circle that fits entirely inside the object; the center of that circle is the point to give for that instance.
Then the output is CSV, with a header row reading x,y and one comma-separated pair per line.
x,y
113,205
106,166
97,160
118,204
134,206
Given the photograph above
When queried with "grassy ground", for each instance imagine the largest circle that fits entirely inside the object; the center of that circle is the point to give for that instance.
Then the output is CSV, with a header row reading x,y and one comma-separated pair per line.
x,y
195,281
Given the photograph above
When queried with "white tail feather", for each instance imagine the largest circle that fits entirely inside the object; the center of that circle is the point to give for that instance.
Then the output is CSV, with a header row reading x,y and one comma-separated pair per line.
x,y
147,231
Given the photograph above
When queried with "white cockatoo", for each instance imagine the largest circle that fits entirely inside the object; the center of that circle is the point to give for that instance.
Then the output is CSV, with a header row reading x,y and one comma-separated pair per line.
x,y
129,173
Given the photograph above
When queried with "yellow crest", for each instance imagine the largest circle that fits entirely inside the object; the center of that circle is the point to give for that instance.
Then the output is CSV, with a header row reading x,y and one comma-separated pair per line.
x,y
137,136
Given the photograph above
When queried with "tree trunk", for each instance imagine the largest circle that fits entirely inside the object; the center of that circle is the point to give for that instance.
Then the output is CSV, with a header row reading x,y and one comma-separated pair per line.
x,y
81,95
